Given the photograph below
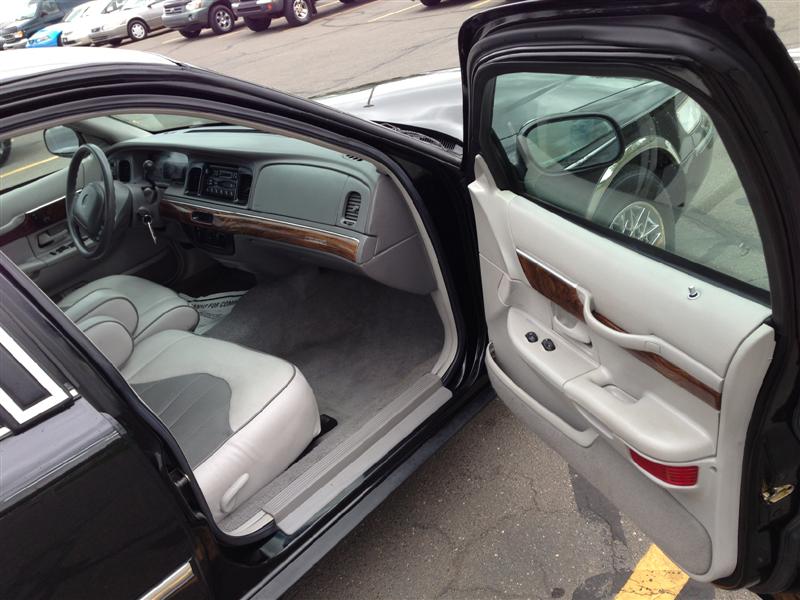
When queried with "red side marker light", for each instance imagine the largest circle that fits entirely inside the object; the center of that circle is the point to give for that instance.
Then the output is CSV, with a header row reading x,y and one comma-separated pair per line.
x,y
680,476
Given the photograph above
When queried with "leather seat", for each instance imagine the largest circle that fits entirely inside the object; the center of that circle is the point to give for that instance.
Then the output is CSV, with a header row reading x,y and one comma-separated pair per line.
x,y
143,307
241,417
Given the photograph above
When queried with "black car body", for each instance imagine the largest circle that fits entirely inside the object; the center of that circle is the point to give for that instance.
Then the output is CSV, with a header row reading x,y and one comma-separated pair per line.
x,y
101,499
35,16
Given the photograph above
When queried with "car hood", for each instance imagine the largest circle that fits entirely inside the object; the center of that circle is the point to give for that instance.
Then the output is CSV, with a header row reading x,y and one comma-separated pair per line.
x,y
11,26
430,101
433,101
51,29
82,27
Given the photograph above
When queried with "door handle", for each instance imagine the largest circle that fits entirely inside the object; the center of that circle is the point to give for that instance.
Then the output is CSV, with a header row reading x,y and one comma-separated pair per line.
x,y
649,344
577,331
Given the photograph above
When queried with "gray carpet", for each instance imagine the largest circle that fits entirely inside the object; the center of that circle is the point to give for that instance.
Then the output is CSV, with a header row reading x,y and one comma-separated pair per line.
x,y
359,344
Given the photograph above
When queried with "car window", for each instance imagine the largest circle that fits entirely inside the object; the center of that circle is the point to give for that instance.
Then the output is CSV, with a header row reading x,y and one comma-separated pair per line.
x,y
24,159
635,156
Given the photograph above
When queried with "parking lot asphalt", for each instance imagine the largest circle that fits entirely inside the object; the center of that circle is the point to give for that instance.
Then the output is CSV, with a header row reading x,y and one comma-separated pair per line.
x,y
496,513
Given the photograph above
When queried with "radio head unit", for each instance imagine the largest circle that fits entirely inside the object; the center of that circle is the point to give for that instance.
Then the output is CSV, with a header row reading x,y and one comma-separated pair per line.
x,y
220,182
223,183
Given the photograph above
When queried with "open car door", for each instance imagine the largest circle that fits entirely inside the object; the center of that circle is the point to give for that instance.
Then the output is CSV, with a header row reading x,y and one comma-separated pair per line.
x,y
634,172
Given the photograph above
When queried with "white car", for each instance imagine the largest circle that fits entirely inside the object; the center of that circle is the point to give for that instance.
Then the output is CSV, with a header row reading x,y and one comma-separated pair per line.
x,y
135,19
76,29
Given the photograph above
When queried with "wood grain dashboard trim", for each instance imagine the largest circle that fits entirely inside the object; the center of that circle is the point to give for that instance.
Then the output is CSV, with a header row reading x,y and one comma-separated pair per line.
x,y
263,227
36,220
565,294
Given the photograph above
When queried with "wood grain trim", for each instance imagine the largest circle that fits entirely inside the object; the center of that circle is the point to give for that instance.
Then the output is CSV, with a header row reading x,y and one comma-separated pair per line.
x,y
551,286
262,227
36,220
565,294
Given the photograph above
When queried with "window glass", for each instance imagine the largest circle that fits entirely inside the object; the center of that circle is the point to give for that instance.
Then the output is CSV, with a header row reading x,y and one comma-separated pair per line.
x,y
634,155
25,158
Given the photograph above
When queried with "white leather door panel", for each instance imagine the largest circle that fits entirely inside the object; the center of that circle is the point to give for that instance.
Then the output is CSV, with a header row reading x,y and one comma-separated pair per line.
x,y
628,369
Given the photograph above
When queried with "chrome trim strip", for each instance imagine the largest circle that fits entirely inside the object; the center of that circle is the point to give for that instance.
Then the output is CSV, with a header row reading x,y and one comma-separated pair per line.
x,y
250,215
57,394
174,582
547,268
632,150
41,206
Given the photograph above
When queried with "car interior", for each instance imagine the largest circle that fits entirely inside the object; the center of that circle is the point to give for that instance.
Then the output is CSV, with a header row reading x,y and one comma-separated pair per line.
x,y
276,302
273,301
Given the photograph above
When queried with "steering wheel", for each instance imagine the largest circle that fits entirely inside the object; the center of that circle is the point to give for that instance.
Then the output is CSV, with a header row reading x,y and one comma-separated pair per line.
x,y
91,213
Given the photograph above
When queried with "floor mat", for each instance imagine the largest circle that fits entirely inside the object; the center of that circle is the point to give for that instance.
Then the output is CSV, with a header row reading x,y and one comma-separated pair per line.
x,y
213,308
358,343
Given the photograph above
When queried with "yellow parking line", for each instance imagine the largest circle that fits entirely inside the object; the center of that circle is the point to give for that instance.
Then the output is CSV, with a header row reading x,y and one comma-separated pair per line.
x,y
655,576
26,167
397,12
481,3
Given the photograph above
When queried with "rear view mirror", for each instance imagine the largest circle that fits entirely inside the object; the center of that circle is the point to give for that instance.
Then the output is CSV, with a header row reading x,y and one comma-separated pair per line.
x,y
61,141
571,143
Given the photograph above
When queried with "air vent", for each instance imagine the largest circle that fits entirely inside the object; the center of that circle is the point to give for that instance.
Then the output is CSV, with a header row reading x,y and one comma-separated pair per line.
x,y
243,192
193,180
124,171
351,208
351,157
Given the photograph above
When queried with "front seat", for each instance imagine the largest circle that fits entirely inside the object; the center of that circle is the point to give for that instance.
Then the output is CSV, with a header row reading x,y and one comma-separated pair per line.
x,y
143,307
241,417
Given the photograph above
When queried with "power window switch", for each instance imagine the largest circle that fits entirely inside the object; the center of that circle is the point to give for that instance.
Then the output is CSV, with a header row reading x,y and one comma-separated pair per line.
x,y
532,337
548,344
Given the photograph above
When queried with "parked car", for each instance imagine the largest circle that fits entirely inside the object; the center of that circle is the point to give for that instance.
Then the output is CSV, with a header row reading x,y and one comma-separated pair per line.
x,y
134,20
258,15
78,31
386,287
190,17
29,16
5,151
52,34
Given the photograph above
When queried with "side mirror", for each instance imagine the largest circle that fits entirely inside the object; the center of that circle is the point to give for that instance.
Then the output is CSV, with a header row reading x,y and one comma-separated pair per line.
x,y
570,143
61,141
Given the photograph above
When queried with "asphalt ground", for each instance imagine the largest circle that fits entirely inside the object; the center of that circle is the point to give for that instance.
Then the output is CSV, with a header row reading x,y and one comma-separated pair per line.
x,y
496,513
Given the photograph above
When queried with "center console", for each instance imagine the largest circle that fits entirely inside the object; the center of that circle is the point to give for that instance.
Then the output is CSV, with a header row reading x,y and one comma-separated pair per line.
x,y
221,183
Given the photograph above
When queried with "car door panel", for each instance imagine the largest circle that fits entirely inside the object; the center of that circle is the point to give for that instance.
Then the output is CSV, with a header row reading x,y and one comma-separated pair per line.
x,y
644,382
33,234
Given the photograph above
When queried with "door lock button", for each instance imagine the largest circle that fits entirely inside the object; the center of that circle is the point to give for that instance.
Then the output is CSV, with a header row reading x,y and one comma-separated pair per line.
x,y
548,344
532,337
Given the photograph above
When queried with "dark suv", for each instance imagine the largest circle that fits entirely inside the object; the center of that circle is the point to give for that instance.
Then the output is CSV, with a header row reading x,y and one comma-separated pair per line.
x,y
26,18
190,17
258,15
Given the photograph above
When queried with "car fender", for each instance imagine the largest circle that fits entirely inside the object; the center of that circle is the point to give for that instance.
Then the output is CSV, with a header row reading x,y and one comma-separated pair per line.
x,y
632,152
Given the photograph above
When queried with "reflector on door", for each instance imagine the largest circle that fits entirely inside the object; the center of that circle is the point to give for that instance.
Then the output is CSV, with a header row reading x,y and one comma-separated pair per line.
x,y
680,476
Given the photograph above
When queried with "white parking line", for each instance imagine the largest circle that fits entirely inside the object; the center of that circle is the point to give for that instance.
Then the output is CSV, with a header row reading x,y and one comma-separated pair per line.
x,y
173,39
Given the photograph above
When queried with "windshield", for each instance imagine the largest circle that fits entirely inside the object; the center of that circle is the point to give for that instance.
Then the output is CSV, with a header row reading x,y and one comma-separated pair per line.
x,y
23,9
159,123
77,12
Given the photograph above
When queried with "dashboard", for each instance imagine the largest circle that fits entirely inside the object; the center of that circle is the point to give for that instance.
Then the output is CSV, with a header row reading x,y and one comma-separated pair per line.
x,y
250,199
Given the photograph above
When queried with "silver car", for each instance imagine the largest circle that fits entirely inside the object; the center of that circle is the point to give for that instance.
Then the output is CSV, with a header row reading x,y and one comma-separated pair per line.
x,y
135,20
